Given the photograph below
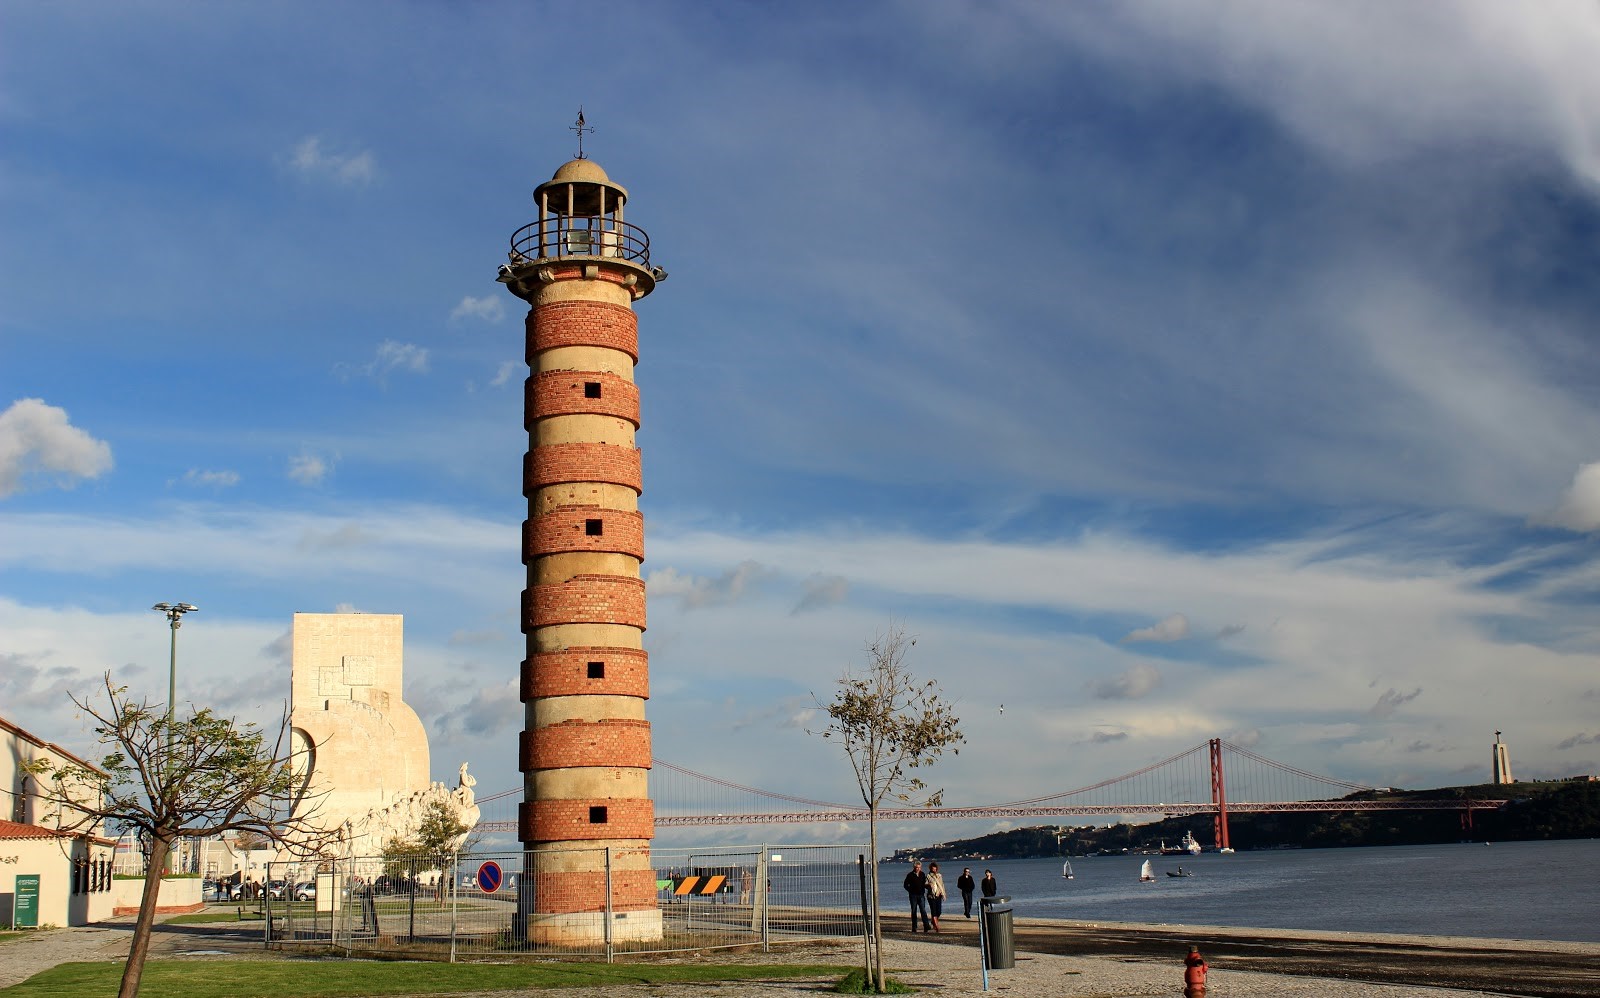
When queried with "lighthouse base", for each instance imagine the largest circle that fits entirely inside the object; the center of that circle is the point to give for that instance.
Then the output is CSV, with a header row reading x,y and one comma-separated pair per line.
x,y
587,929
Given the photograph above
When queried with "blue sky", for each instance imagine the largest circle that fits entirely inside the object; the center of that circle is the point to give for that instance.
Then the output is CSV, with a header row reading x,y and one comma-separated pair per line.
x,y
1171,370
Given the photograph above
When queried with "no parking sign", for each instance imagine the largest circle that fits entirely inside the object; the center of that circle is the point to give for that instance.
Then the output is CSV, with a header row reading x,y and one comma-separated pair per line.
x,y
489,877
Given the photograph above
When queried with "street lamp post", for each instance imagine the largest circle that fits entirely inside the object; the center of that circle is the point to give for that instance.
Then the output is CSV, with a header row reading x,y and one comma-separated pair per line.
x,y
174,613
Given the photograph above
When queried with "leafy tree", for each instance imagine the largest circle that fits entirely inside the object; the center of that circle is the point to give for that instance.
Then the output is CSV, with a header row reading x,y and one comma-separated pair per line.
x,y
171,777
438,834
890,724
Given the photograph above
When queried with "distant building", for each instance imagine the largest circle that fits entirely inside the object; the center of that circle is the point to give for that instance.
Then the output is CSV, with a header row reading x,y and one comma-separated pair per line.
x,y
362,750
73,867
1502,761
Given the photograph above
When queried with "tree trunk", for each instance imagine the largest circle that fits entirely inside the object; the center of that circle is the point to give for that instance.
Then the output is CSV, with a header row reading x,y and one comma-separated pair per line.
x,y
877,915
139,945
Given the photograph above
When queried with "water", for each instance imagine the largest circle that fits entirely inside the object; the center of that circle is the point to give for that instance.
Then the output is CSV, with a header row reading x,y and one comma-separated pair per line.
x,y
1509,890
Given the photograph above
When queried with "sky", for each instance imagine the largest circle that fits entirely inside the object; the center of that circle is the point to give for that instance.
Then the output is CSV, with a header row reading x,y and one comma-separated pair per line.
x,y
1171,370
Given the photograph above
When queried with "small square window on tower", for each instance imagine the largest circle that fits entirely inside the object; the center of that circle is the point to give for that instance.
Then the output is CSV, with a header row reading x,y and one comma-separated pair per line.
x,y
597,814
591,389
597,670
594,528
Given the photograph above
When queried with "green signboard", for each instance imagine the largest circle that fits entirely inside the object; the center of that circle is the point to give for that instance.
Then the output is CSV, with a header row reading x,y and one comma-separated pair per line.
x,y
26,913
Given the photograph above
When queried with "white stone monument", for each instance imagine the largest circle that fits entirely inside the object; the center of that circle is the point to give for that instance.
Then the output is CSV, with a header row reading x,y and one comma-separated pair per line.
x,y
364,750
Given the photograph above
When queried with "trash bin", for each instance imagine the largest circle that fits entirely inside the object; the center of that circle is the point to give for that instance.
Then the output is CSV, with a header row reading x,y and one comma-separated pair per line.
x,y
1000,949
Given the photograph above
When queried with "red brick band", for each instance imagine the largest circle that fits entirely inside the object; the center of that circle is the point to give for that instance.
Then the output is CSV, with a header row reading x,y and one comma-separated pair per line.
x,y
570,393
567,893
614,742
568,820
582,323
623,672
557,464
583,528
585,599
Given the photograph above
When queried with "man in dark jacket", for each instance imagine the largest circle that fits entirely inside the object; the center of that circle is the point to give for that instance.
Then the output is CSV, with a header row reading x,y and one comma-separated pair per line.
x,y
989,885
965,884
916,885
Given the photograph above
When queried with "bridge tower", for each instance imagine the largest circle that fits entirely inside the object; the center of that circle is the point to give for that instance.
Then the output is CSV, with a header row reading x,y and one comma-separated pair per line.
x,y
1219,797
585,746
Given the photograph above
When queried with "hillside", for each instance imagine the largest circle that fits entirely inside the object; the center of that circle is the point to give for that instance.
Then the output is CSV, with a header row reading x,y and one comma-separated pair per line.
x,y
1562,810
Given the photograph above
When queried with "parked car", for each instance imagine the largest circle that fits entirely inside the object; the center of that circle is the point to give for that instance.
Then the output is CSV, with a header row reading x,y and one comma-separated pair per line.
x,y
275,888
306,890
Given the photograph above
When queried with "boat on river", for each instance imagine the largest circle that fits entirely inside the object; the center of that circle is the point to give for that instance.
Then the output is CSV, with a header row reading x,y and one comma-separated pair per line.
x,y
1147,874
1066,869
1180,872
1187,846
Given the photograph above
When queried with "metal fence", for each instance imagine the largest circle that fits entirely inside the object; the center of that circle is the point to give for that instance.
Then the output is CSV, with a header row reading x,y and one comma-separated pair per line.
x,y
565,902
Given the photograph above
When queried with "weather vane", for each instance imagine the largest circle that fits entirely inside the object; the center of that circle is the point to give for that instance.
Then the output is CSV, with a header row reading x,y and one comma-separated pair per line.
x,y
581,127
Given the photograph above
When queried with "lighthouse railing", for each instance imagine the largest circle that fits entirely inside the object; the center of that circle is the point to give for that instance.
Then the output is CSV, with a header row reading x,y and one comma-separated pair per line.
x,y
582,236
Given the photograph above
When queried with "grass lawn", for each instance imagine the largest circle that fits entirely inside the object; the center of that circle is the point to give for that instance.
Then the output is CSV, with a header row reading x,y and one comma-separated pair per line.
x,y
197,917
10,935
339,978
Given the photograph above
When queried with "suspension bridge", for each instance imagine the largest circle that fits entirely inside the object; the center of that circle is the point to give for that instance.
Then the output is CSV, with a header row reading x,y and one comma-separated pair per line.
x,y
1215,777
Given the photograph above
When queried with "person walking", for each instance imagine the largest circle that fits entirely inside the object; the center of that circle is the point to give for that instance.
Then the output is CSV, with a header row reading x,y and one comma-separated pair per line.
x,y
988,885
916,885
966,885
936,893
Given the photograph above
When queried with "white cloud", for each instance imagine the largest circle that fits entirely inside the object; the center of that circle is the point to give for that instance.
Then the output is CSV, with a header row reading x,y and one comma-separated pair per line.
x,y
36,438
823,591
349,169
211,479
1392,700
1136,681
489,308
504,373
694,591
390,356
1371,80
1579,508
308,468
1172,628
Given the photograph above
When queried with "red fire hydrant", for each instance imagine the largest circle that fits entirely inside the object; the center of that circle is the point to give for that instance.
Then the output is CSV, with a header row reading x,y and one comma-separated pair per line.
x,y
1194,974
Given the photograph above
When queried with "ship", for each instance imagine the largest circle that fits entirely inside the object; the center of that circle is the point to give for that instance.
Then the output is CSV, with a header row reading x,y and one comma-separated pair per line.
x,y
1187,847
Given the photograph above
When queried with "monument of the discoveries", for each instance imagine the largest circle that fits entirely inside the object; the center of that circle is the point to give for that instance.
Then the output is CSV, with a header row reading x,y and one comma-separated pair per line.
x,y
364,751
585,748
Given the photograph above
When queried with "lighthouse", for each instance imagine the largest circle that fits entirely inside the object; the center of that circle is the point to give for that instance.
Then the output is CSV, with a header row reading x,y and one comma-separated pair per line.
x,y
586,820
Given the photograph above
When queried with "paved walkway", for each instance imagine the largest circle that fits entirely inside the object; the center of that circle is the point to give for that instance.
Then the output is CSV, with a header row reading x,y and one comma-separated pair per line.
x,y
937,969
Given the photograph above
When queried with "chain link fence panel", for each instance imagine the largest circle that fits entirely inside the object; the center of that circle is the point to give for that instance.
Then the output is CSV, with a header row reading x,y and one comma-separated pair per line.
x,y
572,903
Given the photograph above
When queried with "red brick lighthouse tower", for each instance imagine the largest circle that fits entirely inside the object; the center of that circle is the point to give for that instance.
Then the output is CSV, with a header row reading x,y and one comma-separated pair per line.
x,y
585,748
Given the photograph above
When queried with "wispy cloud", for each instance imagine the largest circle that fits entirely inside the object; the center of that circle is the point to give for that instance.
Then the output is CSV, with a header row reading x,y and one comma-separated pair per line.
x,y
504,373
1579,506
391,356
1391,701
1137,680
1578,739
489,308
695,591
38,440
310,159
1171,628
822,591
211,479
309,469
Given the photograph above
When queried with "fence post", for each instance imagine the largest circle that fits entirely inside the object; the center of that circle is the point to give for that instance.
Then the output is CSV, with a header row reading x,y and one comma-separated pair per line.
x,y
763,891
610,952
455,882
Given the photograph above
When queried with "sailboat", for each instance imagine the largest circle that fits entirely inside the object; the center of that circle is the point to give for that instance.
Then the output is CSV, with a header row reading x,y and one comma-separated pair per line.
x,y
1066,870
1147,874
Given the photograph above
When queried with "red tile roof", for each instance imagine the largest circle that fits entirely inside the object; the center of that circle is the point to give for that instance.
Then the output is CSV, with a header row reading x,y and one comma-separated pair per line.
x,y
17,830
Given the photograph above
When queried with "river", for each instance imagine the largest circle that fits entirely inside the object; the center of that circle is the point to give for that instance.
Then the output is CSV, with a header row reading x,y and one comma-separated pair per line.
x,y
1507,890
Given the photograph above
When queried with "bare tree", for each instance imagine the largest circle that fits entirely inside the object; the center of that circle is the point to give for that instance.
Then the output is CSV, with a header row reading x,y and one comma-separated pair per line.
x,y
890,723
171,777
